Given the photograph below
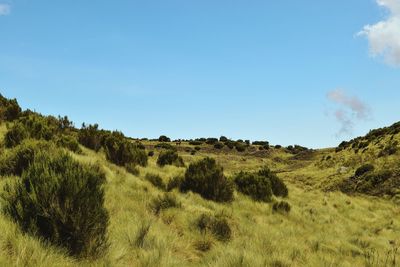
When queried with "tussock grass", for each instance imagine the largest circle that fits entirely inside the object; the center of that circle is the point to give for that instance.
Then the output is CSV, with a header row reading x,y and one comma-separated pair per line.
x,y
323,228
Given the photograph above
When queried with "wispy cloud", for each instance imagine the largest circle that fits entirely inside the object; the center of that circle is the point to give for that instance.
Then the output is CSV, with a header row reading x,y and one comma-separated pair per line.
x,y
350,109
5,9
384,36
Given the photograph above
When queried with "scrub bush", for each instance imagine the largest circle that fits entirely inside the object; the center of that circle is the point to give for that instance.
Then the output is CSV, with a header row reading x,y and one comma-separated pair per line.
x,y
61,201
206,178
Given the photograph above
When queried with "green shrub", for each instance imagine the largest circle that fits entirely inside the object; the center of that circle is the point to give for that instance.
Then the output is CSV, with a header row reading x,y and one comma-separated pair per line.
x,y
256,186
364,169
91,137
197,148
230,144
61,201
165,146
156,180
170,157
217,225
240,147
164,138
18,159
223,139
122,152
70,143
195,143
9,109
150,154
174,182
261,143
166,201
211,141
219,145
281,207
206,178
278,187
15,135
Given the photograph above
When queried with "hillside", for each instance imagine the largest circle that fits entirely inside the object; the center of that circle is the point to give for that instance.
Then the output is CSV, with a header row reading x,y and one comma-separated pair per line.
x,y
336,218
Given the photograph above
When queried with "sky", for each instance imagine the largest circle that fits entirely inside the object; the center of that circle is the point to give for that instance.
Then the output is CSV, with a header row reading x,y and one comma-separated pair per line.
x,y
304,72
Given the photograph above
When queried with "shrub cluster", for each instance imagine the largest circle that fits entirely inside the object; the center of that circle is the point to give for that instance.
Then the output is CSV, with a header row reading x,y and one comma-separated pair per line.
x,y
207,178
170,157
364,169
216,225
260,185
91,137
254,185
122,152
164,138
219,145
9,109
165,146
18,159
61,201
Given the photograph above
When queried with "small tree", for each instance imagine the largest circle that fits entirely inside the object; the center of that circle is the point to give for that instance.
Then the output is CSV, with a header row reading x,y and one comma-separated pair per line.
x,y
207,178
61,201
278,187
170,157
121,151
164,138
15,135
254,185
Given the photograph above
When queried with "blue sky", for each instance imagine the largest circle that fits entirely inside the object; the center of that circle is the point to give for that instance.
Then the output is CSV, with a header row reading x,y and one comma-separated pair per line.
x,y
259,70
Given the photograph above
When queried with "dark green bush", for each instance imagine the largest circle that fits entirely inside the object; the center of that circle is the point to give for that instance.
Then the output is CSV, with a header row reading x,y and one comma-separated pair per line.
x,y
207,178
150,154
170,157
174,182
219,145
69,142
223,139
121,151
240,147
166,201
256,186
281,207
91,137
18,159
261,143
156,180
278,187
230,144
211,141
195,143
15,135
164,138
165,146
364,169
9,109
197,148
217,225
61,201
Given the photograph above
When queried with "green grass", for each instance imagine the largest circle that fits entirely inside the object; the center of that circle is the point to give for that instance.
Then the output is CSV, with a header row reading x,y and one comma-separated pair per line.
x,y
323,228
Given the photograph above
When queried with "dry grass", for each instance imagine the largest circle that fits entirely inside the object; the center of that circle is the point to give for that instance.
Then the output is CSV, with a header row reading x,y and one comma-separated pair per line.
x,y
322,229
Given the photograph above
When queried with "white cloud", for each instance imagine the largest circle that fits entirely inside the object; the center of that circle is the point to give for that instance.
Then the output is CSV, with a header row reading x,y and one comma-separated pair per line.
x,y
350,110
384,36
5,9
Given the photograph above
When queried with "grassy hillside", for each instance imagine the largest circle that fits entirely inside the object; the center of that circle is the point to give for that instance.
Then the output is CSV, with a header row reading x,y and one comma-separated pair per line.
x,y
325,227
